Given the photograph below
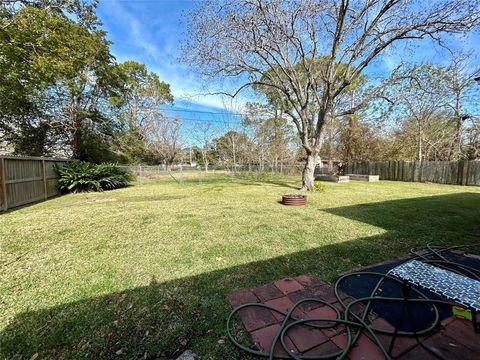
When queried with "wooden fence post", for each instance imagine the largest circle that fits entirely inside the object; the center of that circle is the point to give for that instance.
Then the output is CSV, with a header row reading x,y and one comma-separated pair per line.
x,y
420,173
44,175
4,185
466,164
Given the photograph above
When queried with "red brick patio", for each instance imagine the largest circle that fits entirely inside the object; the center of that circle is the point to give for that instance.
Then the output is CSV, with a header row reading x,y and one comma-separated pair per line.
x,y
454,339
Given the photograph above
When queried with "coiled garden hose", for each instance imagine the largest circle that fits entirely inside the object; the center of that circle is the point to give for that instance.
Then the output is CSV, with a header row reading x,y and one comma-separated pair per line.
x,y
356,324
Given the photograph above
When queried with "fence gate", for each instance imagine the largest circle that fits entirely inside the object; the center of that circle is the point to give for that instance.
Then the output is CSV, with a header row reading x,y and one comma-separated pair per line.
x,y
25,180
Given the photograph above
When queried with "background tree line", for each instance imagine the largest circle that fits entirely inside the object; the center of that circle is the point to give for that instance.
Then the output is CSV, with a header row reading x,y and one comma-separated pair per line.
x,y
62,92
433,114
308,56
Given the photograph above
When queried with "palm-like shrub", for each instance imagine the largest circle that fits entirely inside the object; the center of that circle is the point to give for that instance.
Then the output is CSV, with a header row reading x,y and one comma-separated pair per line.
x,y
83,176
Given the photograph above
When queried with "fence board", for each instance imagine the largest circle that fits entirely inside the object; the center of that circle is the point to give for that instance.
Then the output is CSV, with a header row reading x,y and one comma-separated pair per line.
x,y
24,180
3,179
444,172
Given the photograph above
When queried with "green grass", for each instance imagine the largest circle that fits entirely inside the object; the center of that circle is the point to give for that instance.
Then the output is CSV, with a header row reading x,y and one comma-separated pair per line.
x,y
146,269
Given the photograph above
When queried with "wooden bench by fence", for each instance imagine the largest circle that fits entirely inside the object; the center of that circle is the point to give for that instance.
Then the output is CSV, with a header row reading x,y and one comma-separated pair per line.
x,y
369,178
334,178
25,180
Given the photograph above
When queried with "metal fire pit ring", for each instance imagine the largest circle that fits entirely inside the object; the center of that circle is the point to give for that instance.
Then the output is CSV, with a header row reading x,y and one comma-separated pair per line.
x,y
294,200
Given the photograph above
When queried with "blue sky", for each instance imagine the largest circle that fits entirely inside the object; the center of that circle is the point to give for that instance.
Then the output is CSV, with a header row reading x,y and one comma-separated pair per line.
x,y
150,32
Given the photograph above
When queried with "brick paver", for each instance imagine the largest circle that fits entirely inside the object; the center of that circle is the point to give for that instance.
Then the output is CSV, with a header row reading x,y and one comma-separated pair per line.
x,y
450,348
310,280
288,285
326,293
340,340
268,292
255,318
401,345
462,331
321,312
326,348
284,304
418,353
454,340
242,297
304,294
365,349
306,337
264,337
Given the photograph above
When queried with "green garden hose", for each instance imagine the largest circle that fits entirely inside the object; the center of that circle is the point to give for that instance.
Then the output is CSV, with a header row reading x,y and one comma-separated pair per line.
x,y
355,324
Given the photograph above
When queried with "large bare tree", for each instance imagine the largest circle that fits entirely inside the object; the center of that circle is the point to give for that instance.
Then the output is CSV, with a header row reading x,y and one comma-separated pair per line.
x,y
269,44
203,136
164,137
459,80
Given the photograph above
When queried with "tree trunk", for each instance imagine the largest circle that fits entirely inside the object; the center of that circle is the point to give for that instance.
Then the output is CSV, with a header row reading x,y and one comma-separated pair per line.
x,y
77,140
420,142
455,153
308,175
205,159
234,158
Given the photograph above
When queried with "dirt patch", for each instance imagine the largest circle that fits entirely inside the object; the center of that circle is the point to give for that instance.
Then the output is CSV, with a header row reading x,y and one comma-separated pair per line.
x,y
100,200
90,201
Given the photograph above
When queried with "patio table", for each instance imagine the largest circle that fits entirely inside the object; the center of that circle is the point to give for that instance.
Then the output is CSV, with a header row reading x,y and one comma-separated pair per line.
x,y
455,287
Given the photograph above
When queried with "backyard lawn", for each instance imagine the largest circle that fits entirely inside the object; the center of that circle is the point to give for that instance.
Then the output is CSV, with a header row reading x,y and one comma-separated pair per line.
x,y
144,271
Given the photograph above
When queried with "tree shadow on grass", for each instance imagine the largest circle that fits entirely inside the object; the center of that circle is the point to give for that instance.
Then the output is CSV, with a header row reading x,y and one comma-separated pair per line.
x,y
450,216
153,198
25,206
244,179
261,179
160,320
272,183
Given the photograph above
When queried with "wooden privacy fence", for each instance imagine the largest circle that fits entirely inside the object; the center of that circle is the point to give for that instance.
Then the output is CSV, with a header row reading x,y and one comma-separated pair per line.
x,y
444,172
25,180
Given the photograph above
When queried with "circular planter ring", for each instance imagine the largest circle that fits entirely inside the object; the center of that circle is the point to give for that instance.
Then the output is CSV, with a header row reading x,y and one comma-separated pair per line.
x,y
294,200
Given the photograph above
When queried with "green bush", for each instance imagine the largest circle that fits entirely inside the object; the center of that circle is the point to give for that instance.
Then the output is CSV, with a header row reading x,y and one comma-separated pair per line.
x,y
83,176
318,186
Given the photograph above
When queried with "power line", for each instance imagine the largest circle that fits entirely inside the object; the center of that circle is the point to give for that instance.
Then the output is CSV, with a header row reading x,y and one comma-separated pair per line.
x,y
202,120
202,112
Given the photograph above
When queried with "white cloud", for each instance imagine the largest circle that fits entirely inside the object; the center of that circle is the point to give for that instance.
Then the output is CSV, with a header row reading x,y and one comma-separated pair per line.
x,y
157,46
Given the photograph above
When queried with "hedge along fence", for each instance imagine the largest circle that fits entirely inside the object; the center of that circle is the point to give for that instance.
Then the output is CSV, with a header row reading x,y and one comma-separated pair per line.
x,y
25,180
444,172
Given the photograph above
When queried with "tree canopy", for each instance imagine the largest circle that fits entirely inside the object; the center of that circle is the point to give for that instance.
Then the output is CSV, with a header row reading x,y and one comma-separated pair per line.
x,y
61,88
271,44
